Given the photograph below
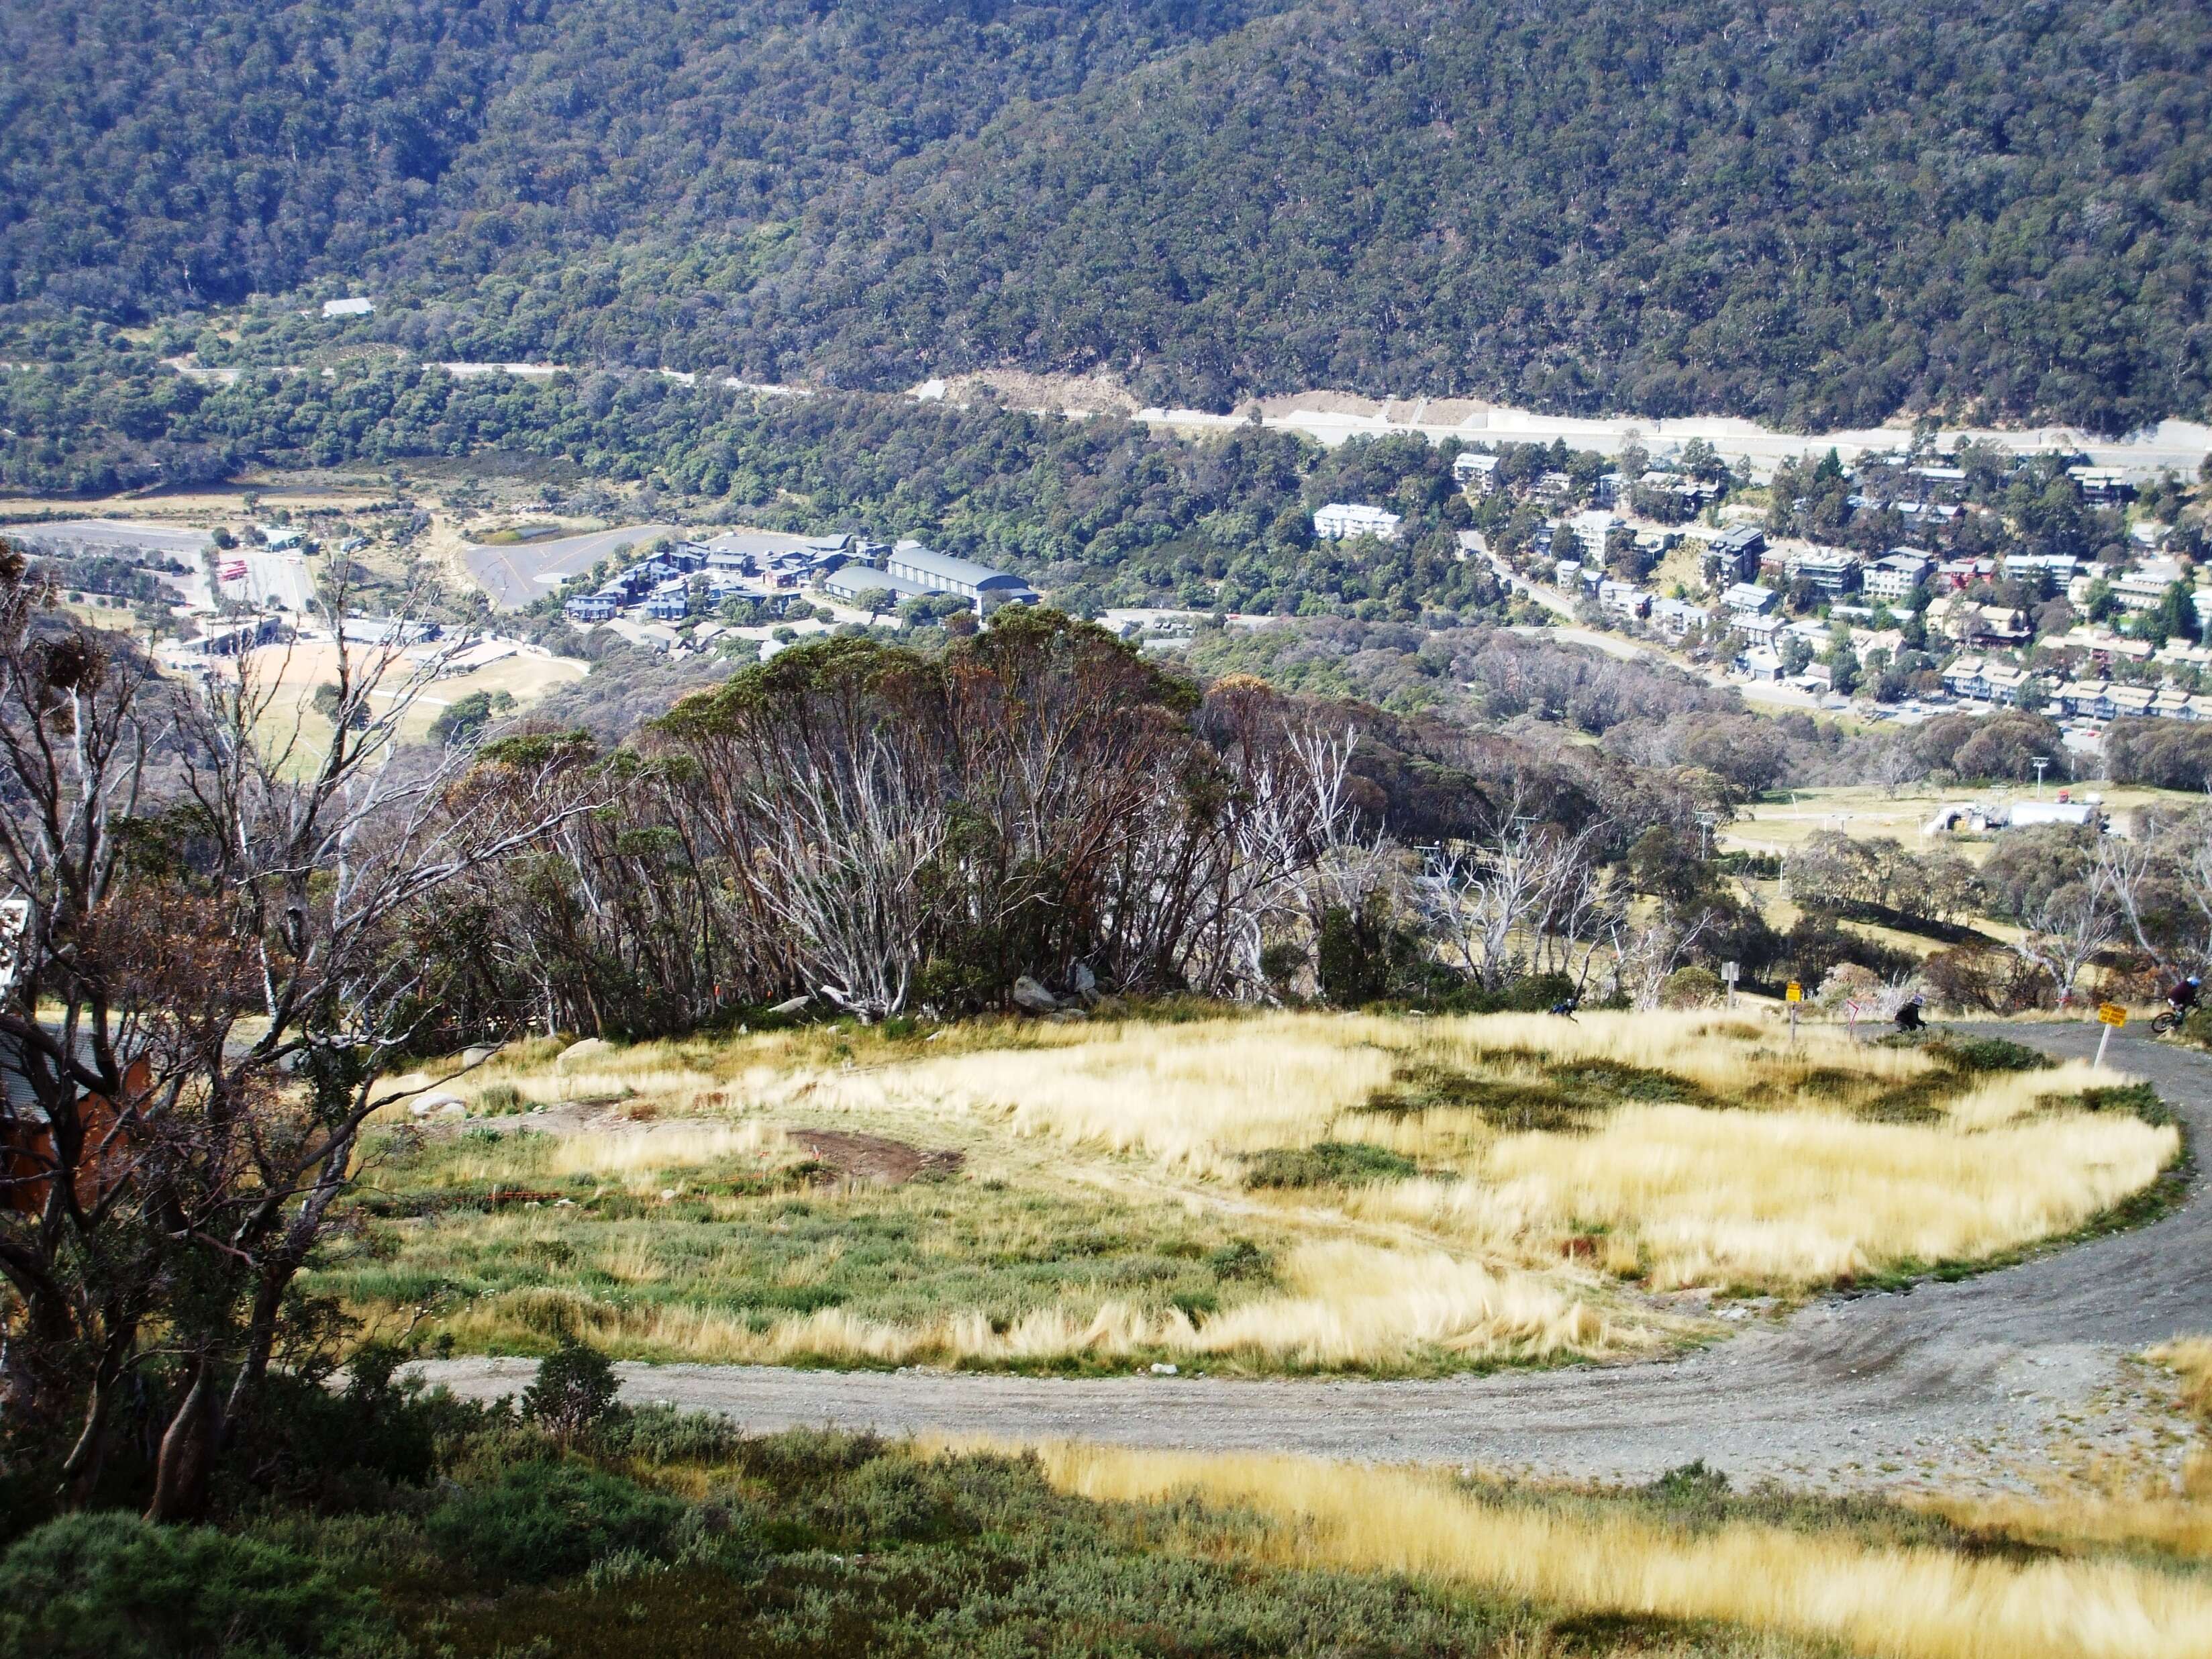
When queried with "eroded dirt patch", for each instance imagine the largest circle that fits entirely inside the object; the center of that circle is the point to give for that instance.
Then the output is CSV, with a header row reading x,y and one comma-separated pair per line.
x,y
878,1158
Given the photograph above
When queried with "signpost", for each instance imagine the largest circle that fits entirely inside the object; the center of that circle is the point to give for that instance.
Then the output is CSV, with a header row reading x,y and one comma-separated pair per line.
x,y
2111,1016
1731,972
1793,996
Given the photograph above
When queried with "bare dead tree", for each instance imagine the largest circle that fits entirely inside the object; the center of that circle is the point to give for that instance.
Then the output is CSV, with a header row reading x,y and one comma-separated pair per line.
x,y
2127,869
1644,956
2194,836
847,843
2068,928
210,995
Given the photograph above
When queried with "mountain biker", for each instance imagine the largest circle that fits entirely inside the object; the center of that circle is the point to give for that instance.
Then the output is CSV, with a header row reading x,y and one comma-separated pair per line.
x,y
1908,1014
2183,997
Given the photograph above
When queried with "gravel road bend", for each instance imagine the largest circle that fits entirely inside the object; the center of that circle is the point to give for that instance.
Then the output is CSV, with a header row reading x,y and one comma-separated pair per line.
x,y
1964,1382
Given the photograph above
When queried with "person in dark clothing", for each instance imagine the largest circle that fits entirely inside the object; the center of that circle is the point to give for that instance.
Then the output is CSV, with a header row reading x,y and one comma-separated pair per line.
x,y
1908,1016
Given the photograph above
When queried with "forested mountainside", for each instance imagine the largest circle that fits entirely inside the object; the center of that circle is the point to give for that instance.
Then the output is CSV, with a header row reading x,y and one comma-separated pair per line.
x,y
1810,213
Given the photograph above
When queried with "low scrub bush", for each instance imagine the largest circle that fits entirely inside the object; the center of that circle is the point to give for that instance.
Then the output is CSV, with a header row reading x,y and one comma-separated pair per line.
x,y
111,1586
2137,1099
542,1521
1962,1053
1327,1163
891,1500
662,1434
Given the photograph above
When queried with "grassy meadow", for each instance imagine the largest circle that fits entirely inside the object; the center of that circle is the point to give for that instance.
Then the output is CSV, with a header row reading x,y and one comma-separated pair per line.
x,y
1786,821
1276,1192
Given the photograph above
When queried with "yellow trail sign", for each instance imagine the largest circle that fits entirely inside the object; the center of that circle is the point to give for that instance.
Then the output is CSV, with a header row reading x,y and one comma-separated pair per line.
x,y
2112,1013
1794,993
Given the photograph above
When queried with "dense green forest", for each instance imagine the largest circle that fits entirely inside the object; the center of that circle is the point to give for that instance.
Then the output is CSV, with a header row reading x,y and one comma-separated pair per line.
x,y
1808,214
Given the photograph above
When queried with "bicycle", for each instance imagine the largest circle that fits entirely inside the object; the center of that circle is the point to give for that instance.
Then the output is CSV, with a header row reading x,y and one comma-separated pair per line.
x,y
2169,1021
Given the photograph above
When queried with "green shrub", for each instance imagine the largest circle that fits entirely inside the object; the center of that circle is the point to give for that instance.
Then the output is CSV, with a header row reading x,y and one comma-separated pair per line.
x,y
1689,1486
341,1447
1241,1259
1985,1054
662,1434
575,1387
499,1099
1691,988
111,1586
2139,1099
891,1500
546,1521
1327,1163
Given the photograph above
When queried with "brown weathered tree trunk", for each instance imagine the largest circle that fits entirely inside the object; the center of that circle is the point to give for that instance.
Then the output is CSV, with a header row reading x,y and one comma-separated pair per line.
x,y
88,1458
181,1476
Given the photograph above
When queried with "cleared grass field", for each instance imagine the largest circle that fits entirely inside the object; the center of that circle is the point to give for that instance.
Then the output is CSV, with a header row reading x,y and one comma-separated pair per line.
x,y
1866,813
297,670
1284,1192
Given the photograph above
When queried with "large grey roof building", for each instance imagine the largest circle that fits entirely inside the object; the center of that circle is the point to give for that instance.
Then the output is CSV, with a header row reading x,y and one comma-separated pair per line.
x,y
849,582
942,573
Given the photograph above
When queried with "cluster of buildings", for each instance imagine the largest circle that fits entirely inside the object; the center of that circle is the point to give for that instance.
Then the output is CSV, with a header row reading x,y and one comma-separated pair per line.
x,y
681,581
1984,620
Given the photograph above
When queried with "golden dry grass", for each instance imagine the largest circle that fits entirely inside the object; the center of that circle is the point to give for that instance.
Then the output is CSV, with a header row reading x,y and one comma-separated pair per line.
x,y
2190,1358
1341,1306
1509,1246
1909,1603
1795,1193
1695,1197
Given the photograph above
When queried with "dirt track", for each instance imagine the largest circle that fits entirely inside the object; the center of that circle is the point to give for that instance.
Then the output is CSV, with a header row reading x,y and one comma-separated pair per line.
x,y
1968,1383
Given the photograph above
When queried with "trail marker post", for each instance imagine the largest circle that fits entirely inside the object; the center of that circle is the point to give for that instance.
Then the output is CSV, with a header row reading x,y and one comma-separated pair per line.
x,y
2111,1017
1793,996
1731,972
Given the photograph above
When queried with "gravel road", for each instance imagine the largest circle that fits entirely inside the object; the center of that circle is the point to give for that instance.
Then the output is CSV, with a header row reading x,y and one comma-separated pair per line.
x,y
1969,1384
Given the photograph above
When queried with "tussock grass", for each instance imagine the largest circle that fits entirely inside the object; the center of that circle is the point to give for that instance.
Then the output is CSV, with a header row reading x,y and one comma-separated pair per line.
x,y
2177,1524
2190,1358
1911,1604
1784,1196
1430,1193
1341,1306
612,1154
1794,1197
1196,1097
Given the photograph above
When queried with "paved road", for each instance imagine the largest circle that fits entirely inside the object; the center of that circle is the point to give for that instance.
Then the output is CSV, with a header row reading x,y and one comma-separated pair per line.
x,y
511,575
1964,1381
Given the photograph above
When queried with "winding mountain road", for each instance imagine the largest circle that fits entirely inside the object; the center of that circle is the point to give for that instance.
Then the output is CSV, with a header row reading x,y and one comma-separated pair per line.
x,y
1967,1383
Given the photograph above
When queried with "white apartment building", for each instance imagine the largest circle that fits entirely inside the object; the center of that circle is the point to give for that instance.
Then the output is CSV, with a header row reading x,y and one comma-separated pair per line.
x,y
1345,521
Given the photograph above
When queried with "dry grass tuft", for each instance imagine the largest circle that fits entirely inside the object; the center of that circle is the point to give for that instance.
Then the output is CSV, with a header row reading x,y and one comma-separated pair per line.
x,y
1806,1197
1342,1306
2190,1358
1909,1603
